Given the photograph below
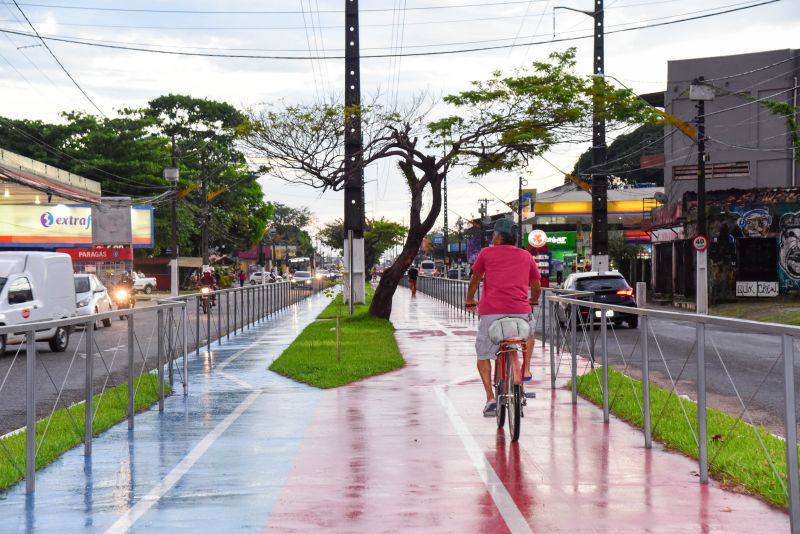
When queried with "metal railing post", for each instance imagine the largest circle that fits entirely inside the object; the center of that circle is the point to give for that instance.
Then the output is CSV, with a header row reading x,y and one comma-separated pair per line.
x,y
544,317
171,344
185,313
790,418
228,314
160,359
197,325
648,436
574,361
131,373
208,327
30,413
88,389
604,349
552,346
592,337
218,305
702,433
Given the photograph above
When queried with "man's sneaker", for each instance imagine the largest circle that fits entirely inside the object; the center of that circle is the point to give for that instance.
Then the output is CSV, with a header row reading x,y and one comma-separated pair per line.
x,y
490,410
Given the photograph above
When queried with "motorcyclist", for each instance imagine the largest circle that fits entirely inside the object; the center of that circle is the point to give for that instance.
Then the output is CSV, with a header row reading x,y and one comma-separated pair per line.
x,y
126,282
209,280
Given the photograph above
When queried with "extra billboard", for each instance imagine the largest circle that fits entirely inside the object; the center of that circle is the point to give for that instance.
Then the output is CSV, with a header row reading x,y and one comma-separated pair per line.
x,y
52,226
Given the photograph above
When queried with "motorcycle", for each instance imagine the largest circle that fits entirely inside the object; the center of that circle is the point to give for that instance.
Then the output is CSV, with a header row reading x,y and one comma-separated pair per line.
x,y
124,299
206,298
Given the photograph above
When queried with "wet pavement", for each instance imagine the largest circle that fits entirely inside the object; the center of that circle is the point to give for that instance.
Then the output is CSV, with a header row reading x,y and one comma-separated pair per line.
x,y
408,451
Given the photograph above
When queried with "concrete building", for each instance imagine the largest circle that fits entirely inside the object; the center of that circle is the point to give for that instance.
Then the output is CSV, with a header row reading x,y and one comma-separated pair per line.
x,y
751,178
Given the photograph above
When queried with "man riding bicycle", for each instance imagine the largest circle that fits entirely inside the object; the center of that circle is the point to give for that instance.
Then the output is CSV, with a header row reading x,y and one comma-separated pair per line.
x,y
508,274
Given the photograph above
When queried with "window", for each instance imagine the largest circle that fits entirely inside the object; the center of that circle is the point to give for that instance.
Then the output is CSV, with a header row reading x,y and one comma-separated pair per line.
x,y
20,291
82,284
601,283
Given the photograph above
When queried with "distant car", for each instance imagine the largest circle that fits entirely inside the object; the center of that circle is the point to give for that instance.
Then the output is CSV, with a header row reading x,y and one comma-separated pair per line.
x,y
302,280
453,274
322,274
258,277
143,283
609,287
92,296
427,268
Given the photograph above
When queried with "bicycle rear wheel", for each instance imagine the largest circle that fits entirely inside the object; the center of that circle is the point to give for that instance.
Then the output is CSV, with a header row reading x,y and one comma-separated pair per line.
x,y
514,401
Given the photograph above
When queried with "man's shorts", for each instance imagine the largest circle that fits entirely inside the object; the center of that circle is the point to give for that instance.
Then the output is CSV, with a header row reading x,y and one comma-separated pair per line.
x,y
483,345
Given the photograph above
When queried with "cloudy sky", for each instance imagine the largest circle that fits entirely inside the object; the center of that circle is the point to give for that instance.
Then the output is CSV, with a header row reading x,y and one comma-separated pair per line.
x,y
34,86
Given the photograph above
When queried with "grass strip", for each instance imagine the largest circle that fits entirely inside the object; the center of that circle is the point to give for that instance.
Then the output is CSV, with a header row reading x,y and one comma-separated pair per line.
x,y
111,407
739,461
368,348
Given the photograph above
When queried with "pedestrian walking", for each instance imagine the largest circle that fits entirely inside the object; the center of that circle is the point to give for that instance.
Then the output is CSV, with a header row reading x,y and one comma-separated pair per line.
x,y
413,273
242,277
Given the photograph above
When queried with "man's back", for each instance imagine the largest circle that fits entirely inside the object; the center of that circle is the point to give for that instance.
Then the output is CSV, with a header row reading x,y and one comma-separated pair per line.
x,y
507,275
413,272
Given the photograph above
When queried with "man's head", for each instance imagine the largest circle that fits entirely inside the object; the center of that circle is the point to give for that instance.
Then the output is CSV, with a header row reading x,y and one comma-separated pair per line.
x,y
504,232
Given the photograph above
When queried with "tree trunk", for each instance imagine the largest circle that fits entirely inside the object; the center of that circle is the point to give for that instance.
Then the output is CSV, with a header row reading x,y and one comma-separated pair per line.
x,y
382,301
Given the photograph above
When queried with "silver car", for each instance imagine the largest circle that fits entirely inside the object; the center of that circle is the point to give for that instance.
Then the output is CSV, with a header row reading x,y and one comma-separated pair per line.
x,y
92,296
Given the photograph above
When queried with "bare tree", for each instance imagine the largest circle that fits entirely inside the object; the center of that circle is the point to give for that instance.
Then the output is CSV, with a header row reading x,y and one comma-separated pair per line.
x,y
499,125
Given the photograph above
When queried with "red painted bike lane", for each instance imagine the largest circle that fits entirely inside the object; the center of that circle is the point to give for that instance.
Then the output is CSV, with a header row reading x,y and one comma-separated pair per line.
x,y
410,451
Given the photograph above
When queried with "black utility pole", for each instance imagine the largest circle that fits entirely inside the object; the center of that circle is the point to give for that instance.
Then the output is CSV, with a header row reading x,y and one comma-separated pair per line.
x,y
204,212
522,182
354,163
701,163
482,210
599,177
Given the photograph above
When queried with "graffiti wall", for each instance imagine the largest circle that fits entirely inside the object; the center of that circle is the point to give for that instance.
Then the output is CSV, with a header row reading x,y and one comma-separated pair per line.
x,y
770,213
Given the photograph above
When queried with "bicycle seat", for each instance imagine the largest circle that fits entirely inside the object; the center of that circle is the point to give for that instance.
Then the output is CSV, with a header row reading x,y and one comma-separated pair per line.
x,y
507,328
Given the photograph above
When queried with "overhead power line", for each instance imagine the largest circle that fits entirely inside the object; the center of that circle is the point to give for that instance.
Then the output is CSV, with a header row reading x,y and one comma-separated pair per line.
x,y
273,12
142,48
44,43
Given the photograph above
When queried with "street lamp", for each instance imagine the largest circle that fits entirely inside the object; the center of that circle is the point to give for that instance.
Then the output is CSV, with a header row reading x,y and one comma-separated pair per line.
x,y
171,174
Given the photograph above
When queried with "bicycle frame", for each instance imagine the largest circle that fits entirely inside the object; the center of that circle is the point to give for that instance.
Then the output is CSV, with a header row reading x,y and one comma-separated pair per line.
x,y
510,347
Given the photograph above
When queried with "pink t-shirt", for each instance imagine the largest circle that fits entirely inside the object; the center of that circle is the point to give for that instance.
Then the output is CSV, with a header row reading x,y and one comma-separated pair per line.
x,y
508,272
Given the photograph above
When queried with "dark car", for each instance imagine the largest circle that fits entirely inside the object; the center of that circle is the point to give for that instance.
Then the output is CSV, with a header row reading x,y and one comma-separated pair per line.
x,y
609,287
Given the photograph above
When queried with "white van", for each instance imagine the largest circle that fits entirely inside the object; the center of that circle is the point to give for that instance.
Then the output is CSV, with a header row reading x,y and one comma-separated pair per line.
x,y
427,267
34,287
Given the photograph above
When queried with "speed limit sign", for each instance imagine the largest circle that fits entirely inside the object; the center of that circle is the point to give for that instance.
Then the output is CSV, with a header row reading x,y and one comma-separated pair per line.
x,y
700,242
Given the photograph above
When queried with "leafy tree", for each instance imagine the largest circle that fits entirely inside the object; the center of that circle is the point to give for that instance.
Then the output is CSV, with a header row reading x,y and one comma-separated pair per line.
x,y
497,125
379,236
289,224
127,154
623,156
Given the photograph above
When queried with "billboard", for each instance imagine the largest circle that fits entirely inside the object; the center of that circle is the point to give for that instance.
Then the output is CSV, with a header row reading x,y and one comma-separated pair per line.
x,y
528,199
51,226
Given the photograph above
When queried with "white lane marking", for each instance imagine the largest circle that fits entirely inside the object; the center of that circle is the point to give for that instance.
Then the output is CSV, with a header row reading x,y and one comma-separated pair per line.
x,y
124,523
505,504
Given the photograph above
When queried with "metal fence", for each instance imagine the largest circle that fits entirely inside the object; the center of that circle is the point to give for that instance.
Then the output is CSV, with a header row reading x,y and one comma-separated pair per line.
x,y
156,339
572,333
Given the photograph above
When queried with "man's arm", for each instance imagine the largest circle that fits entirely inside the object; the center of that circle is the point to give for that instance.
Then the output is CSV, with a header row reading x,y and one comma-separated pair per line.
x,y
536,290
474,283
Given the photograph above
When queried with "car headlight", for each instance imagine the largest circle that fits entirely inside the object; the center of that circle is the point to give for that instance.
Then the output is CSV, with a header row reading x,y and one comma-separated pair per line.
x,y
83,302
308,282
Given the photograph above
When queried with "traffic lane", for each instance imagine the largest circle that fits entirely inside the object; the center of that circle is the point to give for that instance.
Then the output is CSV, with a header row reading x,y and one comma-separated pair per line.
x,y
752,361
66,371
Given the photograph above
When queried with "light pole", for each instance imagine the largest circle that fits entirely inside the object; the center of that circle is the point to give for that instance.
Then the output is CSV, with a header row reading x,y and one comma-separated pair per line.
x,y
171,175
700,93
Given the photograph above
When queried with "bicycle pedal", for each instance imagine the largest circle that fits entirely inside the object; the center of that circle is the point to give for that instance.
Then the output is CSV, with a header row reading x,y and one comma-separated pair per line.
x,y
530,395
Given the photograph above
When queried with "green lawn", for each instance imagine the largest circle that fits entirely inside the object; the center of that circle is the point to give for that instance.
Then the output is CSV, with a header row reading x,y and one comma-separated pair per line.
x,y
110,408
368,348
735,455
784,309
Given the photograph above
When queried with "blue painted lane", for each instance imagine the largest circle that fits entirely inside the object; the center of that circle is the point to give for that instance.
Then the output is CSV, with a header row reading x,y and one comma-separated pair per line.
x,y
215,460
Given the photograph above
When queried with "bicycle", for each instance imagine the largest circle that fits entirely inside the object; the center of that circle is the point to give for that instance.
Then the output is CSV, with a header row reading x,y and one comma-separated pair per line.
x,y
511,334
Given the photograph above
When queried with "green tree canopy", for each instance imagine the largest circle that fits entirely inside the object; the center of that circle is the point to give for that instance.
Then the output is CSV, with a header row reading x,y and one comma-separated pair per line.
x,y
624,157
289,224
